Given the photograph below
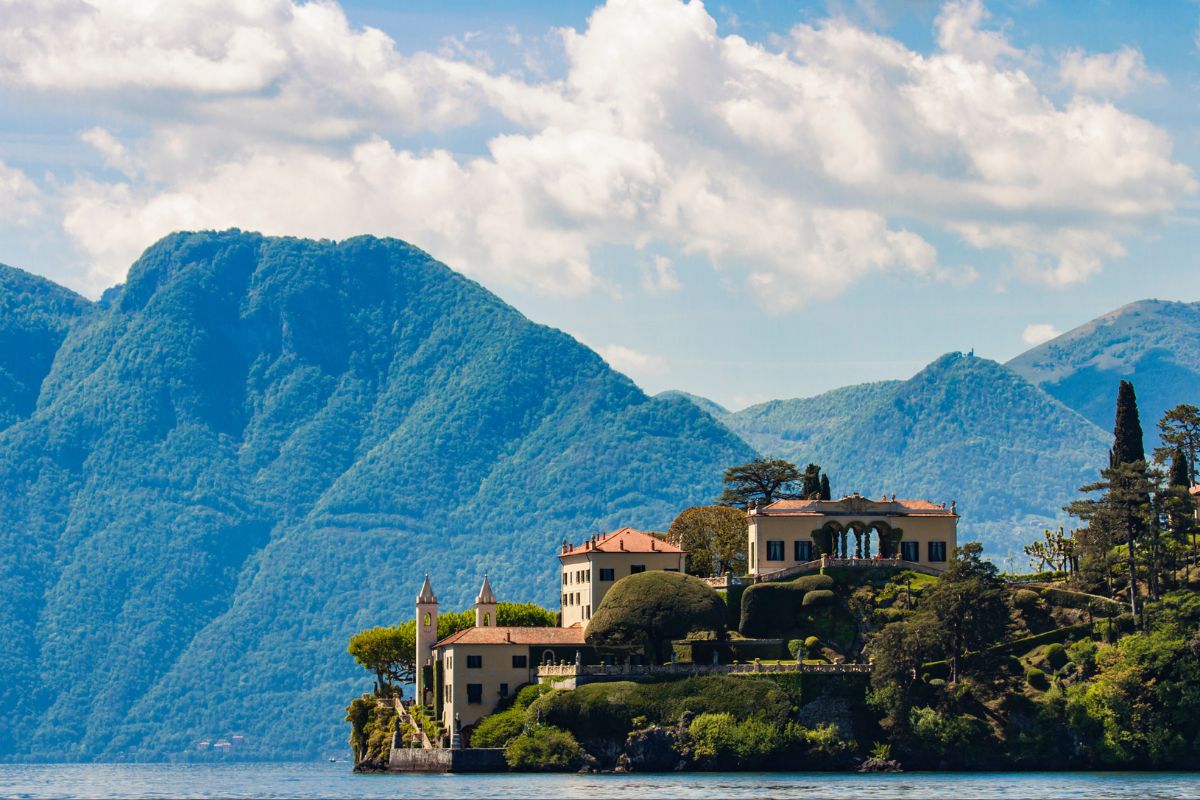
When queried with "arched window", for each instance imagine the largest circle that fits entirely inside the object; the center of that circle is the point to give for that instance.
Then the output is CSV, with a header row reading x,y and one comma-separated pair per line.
x,y
547,656
426,623
487,620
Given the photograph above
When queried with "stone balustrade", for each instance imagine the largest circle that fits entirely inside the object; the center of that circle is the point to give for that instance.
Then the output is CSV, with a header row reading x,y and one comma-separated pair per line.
x,y
681,669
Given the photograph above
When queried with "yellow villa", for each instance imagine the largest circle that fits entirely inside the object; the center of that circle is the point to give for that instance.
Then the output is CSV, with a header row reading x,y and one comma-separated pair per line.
x,y
788,533
590,569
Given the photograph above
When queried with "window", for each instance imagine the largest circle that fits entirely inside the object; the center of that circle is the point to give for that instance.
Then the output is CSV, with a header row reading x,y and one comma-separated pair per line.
x,y
804,551
474,662
547,656
487,620
564,602
520,662
504,690
937,551
587,612
474,693
565,575
774,550
426,619
634,569
450,694
606,574
909,551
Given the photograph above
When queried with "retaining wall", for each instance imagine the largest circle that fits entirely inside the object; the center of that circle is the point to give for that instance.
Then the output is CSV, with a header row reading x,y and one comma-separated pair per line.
x,y
471,759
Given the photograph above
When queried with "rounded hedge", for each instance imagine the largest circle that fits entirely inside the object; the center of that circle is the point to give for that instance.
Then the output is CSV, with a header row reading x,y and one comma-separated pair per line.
x,y
808,583
818,597
811,642
1056,656
794,647
1025,599
650,609
1037,679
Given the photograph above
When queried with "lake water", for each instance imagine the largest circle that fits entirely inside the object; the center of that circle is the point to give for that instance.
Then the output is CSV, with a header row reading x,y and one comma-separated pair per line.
x,y
335,780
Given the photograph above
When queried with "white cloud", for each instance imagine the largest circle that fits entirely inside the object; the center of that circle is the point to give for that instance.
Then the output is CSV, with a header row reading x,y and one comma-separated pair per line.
x,y
632,362
801,168
21,202
1039,332
1106,74
661,277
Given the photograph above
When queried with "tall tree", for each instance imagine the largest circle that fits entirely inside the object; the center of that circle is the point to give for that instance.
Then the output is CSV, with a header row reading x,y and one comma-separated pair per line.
x,y
763,480
811,482
1179,430
825,491
714,538
970,604
1127,430
389,652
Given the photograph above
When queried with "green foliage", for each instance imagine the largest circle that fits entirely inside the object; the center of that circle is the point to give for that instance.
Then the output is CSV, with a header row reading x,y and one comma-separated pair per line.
x,y
714,538
1026,599
1179,430
950,738
769,607
1056,656
970,606
762,481
650,609
1127,430
818,597
371,728
796,648
497,730
388,652
544,749
1037,679
524,615
249,451
811,642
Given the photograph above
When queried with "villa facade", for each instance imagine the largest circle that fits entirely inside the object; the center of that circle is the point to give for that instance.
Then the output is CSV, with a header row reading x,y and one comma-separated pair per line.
x,y
788,533
589,570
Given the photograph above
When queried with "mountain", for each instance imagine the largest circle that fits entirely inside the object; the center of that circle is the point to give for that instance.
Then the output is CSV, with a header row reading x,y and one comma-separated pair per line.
x,y
255,447
964,428
1153,343
35,315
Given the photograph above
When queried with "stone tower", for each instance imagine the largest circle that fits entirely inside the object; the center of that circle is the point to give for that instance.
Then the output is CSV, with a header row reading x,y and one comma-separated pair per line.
x,y
427,626
485,606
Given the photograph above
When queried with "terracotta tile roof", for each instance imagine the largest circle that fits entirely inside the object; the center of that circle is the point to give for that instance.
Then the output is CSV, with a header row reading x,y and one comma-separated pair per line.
x,y
1195,490
855,504
624,540
512,635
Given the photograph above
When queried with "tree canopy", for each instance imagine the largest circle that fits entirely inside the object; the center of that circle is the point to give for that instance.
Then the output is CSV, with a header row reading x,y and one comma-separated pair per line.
x,y
714,538
764,480
970,605
389,652
1179,430
649,609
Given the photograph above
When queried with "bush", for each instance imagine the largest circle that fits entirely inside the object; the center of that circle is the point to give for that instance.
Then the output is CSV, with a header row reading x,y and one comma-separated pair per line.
x,y
497,730
1083,653
721,741
1037,679
1026,599
809,583
1056,656
818,597
651,608
794,647
811,643
544,749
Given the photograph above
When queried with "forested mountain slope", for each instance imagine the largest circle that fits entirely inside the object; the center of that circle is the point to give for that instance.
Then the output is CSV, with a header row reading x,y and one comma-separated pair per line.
x,y
35,315
1155,344
964,428
255,447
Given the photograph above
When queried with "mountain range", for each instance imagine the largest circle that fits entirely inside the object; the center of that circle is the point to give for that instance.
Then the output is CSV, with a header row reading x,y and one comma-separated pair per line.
x,y
255,446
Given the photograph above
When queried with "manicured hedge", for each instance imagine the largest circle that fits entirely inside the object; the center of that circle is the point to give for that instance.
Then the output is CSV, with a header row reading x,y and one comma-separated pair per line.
x,y
1101,606
768,607
818,597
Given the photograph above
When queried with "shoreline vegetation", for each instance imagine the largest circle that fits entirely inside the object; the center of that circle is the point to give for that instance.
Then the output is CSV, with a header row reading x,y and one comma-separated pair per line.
x,y
1090,663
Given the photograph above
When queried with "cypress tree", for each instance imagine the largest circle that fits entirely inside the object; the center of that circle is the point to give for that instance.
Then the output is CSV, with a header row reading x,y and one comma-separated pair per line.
x,y
825,495
1178,476
812,482
1127,430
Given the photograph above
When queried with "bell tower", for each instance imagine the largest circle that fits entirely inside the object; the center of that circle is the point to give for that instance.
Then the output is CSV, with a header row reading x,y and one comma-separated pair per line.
x,y
485,606
427,626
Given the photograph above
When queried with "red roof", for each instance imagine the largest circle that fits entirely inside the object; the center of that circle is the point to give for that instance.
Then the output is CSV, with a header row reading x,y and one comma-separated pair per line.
x,y
1195,489
856,504
625,540
513,635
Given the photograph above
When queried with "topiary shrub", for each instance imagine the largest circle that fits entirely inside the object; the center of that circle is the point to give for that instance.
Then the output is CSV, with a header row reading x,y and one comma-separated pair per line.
x,y
811,643
795,646
544,749
1056,656
650,609
1025,599
818,597
497,730
1037,679
808,583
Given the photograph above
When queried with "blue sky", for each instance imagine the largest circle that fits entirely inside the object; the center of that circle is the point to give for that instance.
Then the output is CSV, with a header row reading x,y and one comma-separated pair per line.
x,y
744,200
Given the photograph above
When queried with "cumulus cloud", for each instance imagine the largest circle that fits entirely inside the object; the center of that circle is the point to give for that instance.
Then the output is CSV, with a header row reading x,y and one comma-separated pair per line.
x,y
1039,332
1106,74
632,362
21,202
800,167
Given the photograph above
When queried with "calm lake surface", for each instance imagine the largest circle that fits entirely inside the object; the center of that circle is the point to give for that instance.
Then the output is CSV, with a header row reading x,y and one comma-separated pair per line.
x,y
336,780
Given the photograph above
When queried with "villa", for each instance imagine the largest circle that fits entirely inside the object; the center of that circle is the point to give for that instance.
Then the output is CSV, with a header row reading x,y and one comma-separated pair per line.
x,y
468,673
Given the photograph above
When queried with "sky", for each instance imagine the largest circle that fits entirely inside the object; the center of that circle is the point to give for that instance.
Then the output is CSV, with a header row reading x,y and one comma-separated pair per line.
x,y
742,200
